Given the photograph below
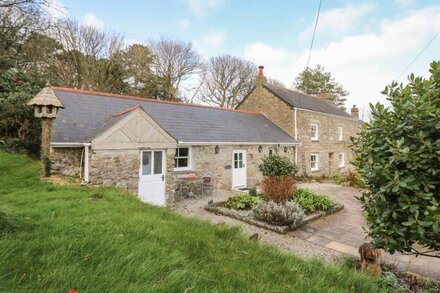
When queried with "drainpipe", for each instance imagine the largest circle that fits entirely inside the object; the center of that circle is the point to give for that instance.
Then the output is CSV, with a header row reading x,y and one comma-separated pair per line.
x,y
296,137
86,163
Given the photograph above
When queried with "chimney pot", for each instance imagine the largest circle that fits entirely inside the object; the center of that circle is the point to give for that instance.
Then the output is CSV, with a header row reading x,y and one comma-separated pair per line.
x,y
260,70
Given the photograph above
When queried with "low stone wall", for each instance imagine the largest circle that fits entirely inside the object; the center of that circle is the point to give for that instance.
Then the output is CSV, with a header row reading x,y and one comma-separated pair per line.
x,y
66,161
246,216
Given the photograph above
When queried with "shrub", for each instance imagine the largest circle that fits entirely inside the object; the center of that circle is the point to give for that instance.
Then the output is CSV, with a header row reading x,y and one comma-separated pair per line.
x,y
278,183
397,155
279,214
277,166
242,201
310,201
253,191
351,179
8,221
278,189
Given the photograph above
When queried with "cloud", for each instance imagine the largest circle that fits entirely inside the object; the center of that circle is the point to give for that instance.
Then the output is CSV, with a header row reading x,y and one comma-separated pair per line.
x,y
55,9
92,20
201,7
214,39
184,23
365,63
339,20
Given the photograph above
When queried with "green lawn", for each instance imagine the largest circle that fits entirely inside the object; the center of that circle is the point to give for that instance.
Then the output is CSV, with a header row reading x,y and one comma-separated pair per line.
x,y
102,239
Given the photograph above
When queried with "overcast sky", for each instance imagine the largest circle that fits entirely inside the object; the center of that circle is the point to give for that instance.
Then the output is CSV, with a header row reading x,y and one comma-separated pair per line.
x,y
364,44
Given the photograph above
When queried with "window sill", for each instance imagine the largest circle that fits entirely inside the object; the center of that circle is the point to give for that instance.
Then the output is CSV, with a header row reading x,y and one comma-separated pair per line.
x,y
314,171
183,171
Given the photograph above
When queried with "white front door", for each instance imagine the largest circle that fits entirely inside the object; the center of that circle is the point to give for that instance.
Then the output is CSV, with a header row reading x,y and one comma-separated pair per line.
x,y
239,169
152,177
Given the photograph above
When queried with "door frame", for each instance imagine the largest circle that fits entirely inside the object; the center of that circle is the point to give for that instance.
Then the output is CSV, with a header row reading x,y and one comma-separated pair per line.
x,y
245,167
164,170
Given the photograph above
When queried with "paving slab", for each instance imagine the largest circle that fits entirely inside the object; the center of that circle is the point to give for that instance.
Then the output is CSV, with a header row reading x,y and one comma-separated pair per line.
x,y
345,230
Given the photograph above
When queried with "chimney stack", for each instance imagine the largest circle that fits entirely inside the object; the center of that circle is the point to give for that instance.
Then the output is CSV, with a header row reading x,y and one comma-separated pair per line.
x,y
355,112
260,79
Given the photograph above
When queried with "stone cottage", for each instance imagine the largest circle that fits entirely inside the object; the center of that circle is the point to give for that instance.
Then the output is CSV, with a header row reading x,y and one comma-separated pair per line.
x,y
322,129
157,149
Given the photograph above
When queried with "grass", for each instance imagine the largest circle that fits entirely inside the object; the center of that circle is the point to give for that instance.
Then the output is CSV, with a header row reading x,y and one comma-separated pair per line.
x,y
105,240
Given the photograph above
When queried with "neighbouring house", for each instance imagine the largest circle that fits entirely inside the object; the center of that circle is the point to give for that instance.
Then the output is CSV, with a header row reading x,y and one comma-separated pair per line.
x,y
160,150
322,129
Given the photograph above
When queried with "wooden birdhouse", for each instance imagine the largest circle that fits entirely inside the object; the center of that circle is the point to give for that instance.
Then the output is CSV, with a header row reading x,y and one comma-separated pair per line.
x,y
46,104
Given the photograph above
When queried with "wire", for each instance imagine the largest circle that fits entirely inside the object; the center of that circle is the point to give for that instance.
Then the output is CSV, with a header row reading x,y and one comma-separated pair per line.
x,y
418,55
314,32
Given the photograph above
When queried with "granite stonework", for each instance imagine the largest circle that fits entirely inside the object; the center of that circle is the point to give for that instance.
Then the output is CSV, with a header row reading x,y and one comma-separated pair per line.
x,y
66,161
328,145
218,167
209,172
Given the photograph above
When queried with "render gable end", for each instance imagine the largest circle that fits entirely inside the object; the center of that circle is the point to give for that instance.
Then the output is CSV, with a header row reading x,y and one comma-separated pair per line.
x,y
132,130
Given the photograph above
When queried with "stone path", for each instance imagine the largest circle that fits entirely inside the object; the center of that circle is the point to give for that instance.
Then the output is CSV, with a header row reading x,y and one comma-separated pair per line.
x,y
343,231
329,238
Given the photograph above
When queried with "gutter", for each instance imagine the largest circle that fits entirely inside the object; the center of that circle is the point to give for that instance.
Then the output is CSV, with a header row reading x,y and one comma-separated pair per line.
x,y
239,143
66,144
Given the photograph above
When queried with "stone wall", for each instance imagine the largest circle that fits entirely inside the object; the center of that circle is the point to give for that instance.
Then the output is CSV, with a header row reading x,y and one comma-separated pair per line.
x,y
262,100
115,168
282,114
66,161
328,142
120,168
206,163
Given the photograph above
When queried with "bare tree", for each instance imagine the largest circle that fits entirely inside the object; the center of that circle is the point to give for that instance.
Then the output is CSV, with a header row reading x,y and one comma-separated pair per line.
x,y
89,57
226,80
274,81
173,62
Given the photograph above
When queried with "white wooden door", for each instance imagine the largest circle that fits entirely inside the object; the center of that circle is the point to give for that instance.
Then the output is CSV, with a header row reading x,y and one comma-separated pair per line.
x,y
239,168
152,177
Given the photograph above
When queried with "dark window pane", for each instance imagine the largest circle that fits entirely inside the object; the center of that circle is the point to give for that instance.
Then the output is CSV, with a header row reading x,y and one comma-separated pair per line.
x,y
146,163
157,162
182,162
183,152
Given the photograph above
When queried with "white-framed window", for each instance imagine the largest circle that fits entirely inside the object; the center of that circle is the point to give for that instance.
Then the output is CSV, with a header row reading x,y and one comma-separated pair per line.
x,y
182,159
340,133
341,158
314,131
314,162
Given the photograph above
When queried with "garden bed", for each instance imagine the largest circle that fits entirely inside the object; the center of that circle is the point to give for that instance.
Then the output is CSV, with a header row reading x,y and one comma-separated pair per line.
x,y
246,216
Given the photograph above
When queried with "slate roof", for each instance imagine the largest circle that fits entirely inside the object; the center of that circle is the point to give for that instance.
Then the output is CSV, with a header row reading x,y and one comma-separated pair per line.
x,y
88,113
304,101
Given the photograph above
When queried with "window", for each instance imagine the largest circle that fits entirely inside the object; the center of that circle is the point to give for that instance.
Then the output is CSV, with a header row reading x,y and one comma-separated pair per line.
x,y
340,133
271,152
341,160
314,162
314,131
182,159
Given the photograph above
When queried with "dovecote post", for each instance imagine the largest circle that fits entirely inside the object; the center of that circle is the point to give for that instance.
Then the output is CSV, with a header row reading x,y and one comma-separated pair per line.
x,y
46,106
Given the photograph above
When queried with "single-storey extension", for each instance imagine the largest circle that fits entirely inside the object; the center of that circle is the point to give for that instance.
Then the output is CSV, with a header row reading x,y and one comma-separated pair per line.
x,y
160,150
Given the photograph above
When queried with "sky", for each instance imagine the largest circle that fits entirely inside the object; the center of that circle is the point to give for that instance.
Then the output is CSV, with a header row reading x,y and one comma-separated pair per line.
x,y
364,44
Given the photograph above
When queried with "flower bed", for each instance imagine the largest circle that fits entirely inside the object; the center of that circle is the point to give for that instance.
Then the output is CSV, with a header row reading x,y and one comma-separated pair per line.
x,y
247,216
